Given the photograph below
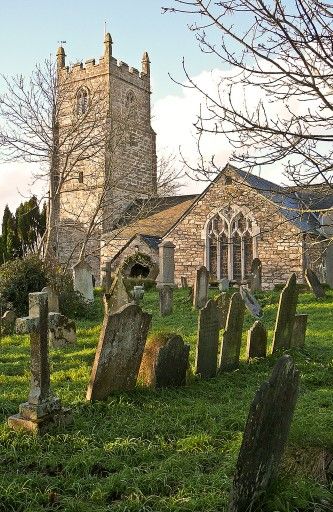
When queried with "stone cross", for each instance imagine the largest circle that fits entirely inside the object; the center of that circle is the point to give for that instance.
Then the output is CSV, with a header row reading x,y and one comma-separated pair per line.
x,y
208,341
107,277
265,437
43,408
314,283
286,315
200,293
299,331
232,336
82,278
256,276
165,362
119,352
256,341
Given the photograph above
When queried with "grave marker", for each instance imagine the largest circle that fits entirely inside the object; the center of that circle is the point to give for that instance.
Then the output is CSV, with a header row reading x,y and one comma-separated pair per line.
x,y
265,436
82,278
251,303
200,293
64,332
118,296
222,303
286,315
166,299
256,341
256,276
106,277
299,331
119,352
208,341
7,323
43,409
314,284
232,336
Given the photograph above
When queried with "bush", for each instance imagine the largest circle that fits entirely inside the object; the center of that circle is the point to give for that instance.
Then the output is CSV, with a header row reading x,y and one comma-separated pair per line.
x,y
20,277
130,282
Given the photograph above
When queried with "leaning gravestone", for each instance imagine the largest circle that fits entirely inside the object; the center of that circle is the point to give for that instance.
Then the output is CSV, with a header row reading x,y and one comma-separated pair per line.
x,y
251,303
43,409
314,284
64,332
286,315
232,336
165,362
222,304
208,341
8,322
200,294
299,331
119,352
256,276
118,296
166,299
265,436
256,341
82,278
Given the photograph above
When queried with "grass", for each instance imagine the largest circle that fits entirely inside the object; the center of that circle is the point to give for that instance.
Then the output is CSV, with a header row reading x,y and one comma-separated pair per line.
x,y
165,450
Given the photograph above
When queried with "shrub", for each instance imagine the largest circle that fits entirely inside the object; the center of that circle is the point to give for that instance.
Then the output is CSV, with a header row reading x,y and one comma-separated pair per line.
x,y
20,277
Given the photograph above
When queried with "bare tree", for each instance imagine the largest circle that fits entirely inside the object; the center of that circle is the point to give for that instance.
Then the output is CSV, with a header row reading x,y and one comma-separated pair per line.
x,y
274,102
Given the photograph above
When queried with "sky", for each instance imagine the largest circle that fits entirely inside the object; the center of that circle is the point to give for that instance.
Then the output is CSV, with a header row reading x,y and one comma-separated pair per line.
x,y
31,30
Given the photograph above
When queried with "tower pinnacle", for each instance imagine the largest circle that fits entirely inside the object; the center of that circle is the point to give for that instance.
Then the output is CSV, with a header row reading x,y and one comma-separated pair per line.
x,y
145,64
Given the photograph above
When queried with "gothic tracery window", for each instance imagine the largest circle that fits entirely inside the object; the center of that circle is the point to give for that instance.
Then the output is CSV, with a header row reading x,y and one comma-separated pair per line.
x,y
231,243
82,99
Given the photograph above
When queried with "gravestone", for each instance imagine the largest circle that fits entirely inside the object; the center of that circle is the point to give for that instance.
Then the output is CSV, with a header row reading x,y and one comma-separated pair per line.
x,y
265,436
224,284
166,263
166,299
256,341
251,303
64,332
183,281
43,409
200,293
256,276
106,277
118,296
222,303
314,284
8,323
119,352
208,341
138,293
299,331
286,315
329,264
165,362
232,336
82,278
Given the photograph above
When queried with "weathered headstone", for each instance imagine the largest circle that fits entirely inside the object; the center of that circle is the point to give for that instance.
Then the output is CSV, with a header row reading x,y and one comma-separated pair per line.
x,y
299,331
138,293
166,263
256,341
106,277
166,299
251,303
200,293
8,322
43,408
118,296
165,362
222,303
208,341
265,436
119,352
314,284
232,336
256,276
183,281
286,315
224,284
64,332
329,264
82,278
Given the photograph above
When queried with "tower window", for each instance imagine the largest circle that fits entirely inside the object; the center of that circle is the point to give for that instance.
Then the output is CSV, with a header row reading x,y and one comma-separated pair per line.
x,y
82,100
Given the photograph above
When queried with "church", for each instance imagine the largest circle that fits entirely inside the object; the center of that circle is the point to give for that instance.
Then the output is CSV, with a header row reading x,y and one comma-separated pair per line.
x,y
238,217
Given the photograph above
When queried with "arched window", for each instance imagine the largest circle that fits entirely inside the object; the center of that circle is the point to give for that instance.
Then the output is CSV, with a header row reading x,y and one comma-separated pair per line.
x,y
82,101
231,244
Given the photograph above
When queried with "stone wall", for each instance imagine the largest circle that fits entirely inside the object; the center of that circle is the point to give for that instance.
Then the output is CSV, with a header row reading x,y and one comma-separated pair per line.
x,y
279,243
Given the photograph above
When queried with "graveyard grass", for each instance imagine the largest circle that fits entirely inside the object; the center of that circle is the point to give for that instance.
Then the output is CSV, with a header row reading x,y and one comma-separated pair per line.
x,y
163,450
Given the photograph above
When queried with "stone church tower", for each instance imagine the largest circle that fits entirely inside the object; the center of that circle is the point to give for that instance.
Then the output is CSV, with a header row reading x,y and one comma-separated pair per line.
x,y
112,102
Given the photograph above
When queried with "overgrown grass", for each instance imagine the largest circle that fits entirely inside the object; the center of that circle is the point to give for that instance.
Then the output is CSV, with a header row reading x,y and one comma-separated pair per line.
x,y
165,450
